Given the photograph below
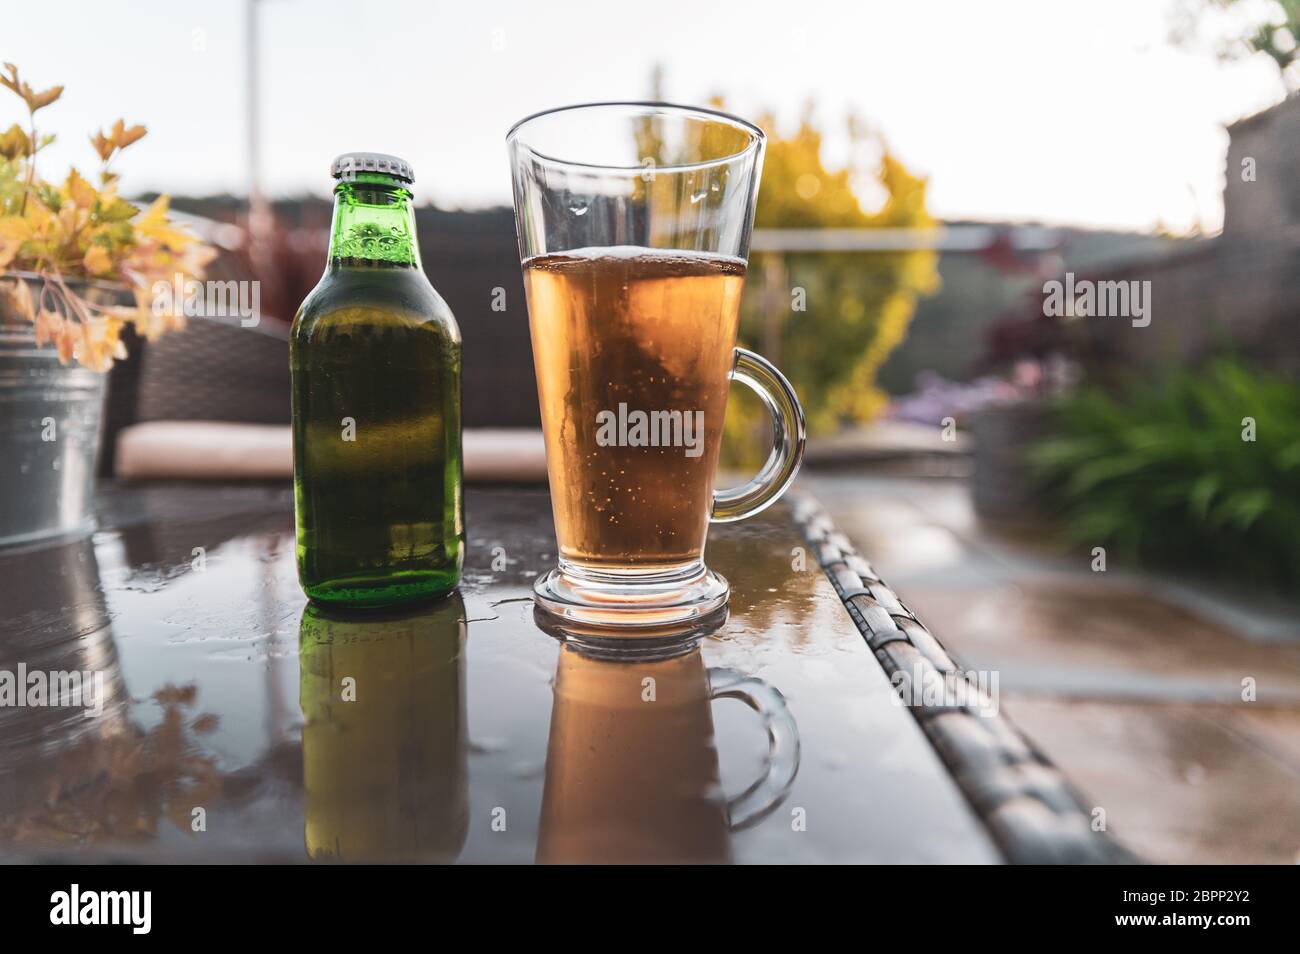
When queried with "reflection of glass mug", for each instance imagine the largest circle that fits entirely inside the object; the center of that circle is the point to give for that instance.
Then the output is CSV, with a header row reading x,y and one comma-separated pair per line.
x,y
631,771
634,223
384,740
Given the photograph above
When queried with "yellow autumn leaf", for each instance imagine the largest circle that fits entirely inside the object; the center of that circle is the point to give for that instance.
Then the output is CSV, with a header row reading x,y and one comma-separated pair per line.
x,y
148,326
16,299
104,146
153,224
66,340
156,213
38,218
97,260
49,326
14,143
195,259
35,100
45,97
100,343
123,136
79,190
72,218
10,81
15,227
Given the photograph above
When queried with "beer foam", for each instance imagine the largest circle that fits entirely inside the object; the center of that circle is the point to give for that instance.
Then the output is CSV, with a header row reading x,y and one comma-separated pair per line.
x,y
631,252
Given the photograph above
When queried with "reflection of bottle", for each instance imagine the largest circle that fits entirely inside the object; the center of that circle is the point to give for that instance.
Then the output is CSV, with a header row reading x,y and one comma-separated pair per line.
x,y
384,735
631,772
375,355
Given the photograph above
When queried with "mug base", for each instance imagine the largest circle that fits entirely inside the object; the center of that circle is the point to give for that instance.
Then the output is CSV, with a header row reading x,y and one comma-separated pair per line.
x,y
616,603
647,643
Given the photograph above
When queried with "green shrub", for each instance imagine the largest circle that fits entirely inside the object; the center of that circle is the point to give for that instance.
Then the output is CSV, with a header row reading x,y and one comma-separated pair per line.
x,y
1165,473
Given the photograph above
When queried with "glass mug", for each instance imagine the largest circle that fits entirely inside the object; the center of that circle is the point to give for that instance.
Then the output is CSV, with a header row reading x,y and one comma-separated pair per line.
x,y
634,222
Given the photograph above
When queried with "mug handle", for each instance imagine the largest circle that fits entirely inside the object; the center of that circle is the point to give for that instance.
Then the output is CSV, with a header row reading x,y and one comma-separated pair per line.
x,y
761,798
788,435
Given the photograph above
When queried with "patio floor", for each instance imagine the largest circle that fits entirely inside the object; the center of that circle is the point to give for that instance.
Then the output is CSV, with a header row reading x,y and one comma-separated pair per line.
x,y
1132,683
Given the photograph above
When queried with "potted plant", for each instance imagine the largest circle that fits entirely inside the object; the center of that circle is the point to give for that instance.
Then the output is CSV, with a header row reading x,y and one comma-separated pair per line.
x,y
1040,355
77,265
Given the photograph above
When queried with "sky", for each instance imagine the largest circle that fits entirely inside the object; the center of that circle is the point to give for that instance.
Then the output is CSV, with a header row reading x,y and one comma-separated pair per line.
x,y
1045,110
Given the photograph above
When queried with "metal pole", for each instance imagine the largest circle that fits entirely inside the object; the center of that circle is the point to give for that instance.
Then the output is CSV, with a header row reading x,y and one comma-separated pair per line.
x,y
776,303
259,210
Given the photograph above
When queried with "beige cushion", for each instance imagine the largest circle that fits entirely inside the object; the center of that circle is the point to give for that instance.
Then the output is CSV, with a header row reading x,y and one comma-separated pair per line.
x,y
215,450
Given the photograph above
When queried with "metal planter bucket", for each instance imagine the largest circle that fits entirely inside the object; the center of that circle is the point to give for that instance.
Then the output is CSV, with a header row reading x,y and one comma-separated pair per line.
x,y
50,423
1002,487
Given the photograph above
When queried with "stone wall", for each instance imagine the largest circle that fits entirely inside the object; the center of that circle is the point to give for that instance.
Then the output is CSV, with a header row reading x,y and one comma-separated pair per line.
x,y
1266,207
1239,290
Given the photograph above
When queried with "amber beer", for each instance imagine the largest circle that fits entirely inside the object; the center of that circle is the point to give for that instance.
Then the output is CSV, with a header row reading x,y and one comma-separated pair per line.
x,y
631,768
633,348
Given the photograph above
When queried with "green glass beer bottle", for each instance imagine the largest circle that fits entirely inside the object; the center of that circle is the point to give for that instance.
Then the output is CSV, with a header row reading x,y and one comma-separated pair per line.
x,y
375,359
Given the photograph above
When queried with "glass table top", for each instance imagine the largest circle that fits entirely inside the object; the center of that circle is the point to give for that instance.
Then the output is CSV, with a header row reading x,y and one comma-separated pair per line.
x,y
222,718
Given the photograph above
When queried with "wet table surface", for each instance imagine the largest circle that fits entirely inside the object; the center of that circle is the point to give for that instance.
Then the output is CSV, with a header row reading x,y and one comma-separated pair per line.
x,y
225,720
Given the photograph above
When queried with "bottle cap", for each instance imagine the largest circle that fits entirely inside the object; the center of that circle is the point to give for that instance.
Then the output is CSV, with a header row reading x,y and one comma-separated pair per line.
x,y
348,165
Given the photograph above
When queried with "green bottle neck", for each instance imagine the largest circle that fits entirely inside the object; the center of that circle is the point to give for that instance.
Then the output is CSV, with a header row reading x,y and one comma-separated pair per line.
x,y
374,225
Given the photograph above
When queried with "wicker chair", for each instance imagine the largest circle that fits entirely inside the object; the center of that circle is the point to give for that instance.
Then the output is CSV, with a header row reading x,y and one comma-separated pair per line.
x,y
214,370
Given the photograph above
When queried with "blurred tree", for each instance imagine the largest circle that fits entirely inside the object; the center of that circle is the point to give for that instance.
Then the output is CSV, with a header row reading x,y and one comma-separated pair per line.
x,y
828,319
831,319
1245,28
